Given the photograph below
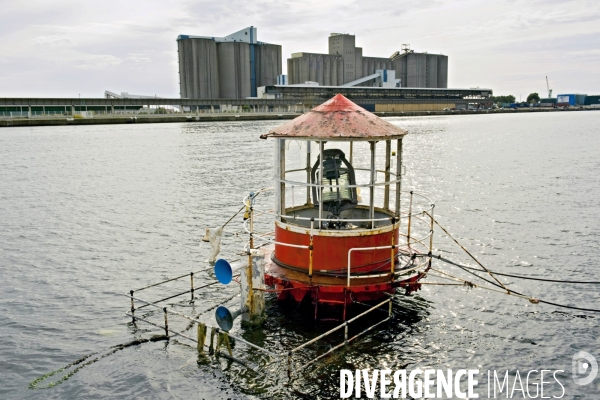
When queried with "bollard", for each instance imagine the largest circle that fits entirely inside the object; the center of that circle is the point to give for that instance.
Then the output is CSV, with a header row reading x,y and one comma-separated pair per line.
x,y
201,337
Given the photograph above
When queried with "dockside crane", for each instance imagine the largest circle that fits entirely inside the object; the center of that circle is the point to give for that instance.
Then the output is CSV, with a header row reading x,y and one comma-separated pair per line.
x,y
549,90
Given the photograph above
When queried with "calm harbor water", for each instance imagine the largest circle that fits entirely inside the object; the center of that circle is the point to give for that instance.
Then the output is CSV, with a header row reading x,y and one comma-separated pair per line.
x,y
88,213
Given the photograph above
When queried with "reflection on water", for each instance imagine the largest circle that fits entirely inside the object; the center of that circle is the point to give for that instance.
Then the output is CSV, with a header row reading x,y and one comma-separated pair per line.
x,y
89,213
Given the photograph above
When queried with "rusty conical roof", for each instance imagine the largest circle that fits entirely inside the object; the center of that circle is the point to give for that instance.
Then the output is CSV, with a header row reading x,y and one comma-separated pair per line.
x,y
338,118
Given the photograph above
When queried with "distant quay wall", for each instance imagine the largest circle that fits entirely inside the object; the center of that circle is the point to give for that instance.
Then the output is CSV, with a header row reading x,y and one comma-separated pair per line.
x,y
165,118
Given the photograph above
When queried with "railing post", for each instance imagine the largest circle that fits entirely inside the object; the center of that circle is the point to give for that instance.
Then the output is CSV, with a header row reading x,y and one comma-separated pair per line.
x,y
431,235
192,285
393,255
349,258
132,305
166,322
372,186
386,194
346,332
249,268
409,218
310,250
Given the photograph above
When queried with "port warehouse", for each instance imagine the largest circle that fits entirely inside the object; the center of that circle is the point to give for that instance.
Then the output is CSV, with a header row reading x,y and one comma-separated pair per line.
x,y
377,99
284,99
565,100
577,99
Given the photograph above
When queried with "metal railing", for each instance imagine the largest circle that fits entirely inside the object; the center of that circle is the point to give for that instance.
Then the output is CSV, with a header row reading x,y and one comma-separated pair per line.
x,y
275,356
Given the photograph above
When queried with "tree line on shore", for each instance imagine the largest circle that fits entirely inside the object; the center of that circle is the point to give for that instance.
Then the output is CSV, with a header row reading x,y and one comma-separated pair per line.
x,y
531,99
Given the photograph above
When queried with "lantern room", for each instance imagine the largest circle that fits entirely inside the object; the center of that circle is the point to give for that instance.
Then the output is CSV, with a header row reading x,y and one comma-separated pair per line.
x,y
338,180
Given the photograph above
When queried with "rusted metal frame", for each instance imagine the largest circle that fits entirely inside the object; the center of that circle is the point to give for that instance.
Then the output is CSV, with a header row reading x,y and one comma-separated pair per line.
x,y
337,328
170,280
159,326
343,343
179,294
192,339
420,241
398,177
208,326
405,214
371,185
386,195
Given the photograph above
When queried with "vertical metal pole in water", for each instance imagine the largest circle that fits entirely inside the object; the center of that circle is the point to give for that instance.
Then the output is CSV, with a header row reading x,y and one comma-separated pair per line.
x,y
166,322
386,196
132,305
431,236
346,332
390,309
398,178
308,188
249,268
372,187
409,218
192,285
321,148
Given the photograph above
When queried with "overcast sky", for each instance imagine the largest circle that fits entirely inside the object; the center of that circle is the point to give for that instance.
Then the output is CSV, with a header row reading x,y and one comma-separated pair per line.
x,y
68,48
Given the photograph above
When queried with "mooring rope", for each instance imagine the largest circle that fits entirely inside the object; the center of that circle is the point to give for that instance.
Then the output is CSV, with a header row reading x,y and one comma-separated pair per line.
x,y
465,250
439,257
497,283
510,292
35,384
